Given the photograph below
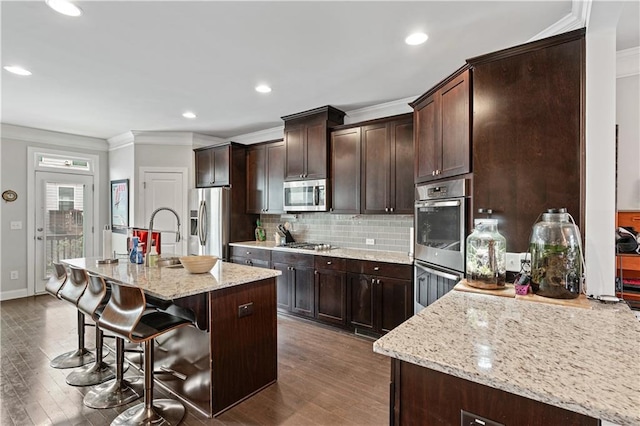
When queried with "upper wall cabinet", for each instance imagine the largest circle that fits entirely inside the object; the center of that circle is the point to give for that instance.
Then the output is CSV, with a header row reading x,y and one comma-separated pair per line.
x,y
442,129
528,133
265,175
306,137
212,166
345,171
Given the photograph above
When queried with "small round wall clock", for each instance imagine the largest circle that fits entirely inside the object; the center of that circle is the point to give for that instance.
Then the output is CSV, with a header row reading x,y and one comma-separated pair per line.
x,y
9,195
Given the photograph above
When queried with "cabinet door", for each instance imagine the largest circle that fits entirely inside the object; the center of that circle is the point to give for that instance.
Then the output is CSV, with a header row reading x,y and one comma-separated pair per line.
x,y
454,104
402,188
394,302
294,138
204,168
256,179
283,287
375,169
221,169
345,171
361,301
275,177
316,151
331,294
427,142
527,148
303,290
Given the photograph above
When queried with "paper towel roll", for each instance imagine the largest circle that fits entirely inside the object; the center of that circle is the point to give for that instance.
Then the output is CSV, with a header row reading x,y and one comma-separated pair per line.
x,y
106,243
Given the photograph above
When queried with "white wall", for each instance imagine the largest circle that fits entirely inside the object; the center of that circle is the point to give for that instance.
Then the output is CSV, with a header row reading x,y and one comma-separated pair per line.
x,y
628,120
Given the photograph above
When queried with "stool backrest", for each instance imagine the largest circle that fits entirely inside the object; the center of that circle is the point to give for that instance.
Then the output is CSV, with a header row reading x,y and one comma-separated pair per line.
x,y
94,296
57,279
75,286
123,311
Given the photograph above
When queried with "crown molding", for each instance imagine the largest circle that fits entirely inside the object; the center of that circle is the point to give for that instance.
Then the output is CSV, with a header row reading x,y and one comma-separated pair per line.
x,y
387,109
136,137
578,18
628,62
29,134
120,141
259,136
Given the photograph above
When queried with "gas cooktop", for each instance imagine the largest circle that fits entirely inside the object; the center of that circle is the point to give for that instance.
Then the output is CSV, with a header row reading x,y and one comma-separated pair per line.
x,y
308,246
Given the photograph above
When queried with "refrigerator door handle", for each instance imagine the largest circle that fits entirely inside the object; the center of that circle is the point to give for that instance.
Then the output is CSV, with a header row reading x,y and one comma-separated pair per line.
x,y
202,223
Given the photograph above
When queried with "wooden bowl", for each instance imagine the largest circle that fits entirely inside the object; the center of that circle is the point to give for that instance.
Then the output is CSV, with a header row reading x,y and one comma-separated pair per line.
x,y
198,264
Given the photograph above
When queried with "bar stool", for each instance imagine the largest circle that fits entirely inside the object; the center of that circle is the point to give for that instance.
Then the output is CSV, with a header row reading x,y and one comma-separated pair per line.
x,y
71,291
92,303
119,391
57,280
125,316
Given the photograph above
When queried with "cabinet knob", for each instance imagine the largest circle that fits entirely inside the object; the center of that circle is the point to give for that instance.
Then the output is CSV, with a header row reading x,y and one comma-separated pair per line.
x,y
329,262
248,252
373,281
391,209
433,173
386,209
377,268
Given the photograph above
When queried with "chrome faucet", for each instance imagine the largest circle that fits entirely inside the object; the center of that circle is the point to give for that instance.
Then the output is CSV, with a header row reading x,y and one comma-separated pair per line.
x,y
149,236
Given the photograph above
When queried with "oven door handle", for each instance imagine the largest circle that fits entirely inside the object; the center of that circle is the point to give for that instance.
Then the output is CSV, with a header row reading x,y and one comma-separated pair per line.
x,y
450,203
446,275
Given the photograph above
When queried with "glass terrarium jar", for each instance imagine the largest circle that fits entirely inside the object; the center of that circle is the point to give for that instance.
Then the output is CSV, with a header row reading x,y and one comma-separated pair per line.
x,y
556,256
486,255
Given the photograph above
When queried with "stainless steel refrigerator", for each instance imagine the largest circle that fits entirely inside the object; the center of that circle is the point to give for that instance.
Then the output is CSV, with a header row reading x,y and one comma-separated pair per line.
x,y
209,221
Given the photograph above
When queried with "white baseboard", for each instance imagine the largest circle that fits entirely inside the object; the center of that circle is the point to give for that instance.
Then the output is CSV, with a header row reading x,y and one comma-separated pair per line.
x,y
13,294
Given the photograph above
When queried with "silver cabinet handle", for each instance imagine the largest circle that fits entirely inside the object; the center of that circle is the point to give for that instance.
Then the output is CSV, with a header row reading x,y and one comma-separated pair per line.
x,y
248,252
391,209
377,268
329,263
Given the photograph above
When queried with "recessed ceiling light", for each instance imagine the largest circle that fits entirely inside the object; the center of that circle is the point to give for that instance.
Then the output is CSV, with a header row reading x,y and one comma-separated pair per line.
x,y
17,70
416,38
263,88
65,7
189,114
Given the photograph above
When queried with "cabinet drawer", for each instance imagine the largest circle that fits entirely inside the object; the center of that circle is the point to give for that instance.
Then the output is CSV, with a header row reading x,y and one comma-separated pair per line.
x,y
631,219
330,263
297,259
250,253
384,269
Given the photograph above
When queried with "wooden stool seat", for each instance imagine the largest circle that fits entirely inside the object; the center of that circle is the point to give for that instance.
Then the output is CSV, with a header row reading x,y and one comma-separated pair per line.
x,y
92,302
126,316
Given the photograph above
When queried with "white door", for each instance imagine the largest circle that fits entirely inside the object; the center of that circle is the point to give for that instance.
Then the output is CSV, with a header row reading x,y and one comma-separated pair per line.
x,y
166,189
63,223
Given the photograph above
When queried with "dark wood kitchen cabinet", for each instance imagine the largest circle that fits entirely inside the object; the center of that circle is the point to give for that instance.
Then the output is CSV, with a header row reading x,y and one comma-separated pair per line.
x,y
306,137
265,175
528,133
420,395
379,295
345,171
214,165
295,287
387,167
331,290
250,256
442,129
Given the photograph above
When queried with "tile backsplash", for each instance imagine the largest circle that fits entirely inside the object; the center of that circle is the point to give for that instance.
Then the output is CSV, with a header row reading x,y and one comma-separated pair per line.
x,y
389,232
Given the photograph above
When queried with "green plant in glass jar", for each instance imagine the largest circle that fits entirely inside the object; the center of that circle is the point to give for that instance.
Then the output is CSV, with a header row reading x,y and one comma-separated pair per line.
x,y
486,256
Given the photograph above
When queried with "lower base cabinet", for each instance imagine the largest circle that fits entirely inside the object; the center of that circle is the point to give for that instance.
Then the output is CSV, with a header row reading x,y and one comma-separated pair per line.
x,y
379,295
331,290
295,287
423,396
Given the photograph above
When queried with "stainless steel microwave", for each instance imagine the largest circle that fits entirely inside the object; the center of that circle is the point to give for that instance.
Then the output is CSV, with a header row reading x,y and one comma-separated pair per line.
x,y
305,196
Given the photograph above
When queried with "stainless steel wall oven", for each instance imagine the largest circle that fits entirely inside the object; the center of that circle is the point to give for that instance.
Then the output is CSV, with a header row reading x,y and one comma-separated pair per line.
x,y
441,217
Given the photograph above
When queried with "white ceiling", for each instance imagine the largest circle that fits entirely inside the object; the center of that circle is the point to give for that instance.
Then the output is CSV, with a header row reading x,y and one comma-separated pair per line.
x,y
126,65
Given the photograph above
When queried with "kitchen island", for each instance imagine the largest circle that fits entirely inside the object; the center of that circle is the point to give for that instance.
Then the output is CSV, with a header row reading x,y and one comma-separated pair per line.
x,y
514,362
231,351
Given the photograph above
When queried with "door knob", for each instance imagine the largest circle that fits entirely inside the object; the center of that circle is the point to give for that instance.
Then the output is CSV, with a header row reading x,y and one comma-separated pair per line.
x,y
39,238
39,229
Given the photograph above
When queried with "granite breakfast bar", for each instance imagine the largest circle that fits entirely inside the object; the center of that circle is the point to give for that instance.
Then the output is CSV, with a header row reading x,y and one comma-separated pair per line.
x,y
231,351
514,362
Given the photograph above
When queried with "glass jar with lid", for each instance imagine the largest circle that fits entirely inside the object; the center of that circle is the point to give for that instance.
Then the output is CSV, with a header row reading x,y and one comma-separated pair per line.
x,y
486,256
556,256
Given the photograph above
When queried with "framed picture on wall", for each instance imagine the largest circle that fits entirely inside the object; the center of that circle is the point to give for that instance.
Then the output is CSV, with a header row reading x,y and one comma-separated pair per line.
x,y
120,206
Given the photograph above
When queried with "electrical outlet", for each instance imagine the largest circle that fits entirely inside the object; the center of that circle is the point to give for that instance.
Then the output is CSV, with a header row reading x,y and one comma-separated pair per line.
x,y
14,275
16,225
525,265
370,241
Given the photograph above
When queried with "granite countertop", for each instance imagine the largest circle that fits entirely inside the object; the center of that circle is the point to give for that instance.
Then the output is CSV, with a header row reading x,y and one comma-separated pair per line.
x,y
583,360
174,282
347,253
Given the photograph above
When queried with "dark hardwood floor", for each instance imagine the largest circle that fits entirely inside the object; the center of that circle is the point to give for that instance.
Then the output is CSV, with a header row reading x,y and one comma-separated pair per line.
x,y
325,377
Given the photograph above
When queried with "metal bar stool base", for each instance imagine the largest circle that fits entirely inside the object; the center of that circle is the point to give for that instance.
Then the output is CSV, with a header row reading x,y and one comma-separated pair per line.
x,y
114,393
93,375
73,359
164,412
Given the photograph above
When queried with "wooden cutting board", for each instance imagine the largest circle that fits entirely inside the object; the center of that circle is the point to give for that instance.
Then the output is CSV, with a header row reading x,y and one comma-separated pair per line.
x,y
508,291
579,302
